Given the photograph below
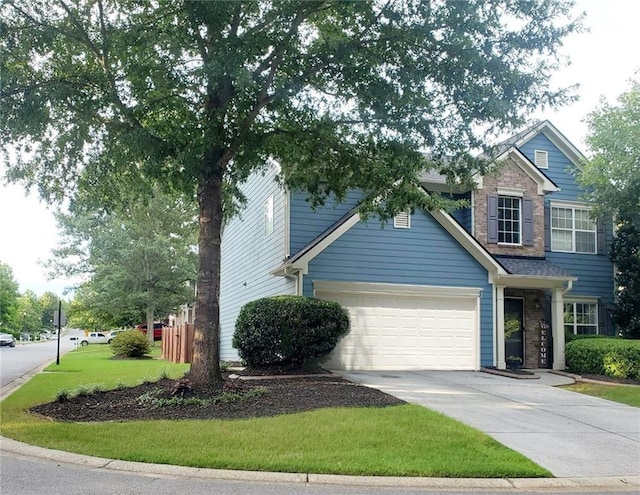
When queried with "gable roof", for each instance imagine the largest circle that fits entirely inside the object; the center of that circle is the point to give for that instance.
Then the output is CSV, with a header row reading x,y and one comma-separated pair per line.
x,y
544,183
534,272
300,261
509,148
551,132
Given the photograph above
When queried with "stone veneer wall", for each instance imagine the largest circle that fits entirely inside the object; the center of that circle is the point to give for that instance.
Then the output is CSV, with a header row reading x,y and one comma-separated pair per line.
x,y
512,176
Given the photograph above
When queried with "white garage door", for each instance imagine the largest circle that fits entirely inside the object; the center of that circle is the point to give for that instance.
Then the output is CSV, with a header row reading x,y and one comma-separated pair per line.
x,y
405,327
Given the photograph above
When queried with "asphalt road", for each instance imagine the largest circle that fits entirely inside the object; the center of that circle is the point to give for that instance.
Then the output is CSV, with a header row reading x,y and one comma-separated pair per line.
x,y
19,360
30,476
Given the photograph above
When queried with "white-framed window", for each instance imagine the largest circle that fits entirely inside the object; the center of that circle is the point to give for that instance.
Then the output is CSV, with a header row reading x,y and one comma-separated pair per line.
x,y
573,230
581,317
541,158
268,215
402,220
509,220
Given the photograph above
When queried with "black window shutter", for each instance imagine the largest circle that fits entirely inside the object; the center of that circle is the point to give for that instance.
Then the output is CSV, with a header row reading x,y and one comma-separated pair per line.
x,y
547,227
600,238
527,222
492,219
604,322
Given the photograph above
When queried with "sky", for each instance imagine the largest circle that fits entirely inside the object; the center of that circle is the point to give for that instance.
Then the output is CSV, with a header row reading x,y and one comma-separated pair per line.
x,y
603,61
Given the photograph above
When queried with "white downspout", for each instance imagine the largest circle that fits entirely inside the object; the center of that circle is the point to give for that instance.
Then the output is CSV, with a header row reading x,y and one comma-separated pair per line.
x,y
299,283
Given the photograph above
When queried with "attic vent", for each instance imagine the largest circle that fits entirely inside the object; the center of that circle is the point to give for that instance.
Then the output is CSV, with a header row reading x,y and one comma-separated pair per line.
x,y
402,220
542,159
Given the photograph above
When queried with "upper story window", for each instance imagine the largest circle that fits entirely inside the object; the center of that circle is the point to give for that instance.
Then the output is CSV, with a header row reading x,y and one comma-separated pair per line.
x,y
268,216
581,318
509,220
402,220
573,230
541,159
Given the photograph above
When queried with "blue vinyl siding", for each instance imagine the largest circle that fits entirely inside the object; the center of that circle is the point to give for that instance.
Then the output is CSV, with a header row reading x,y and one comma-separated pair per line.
x,y
248,255
425,254
559,170
594,272
307,224
463,215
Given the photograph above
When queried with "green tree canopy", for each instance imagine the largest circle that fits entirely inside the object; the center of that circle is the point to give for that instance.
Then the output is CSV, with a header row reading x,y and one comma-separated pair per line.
x,y
49,304
103,96
612,175
141,260
9,295
612,179
29,313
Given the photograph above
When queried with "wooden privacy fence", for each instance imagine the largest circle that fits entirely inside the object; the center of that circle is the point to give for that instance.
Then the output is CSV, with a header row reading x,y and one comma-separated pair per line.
x,y
177,343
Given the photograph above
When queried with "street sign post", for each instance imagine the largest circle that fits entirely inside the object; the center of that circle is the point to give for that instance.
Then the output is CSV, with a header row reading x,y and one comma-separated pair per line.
x,y
59,319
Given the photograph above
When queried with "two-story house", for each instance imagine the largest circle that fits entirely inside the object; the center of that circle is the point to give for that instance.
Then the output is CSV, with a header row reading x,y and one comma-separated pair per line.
x,y
506,276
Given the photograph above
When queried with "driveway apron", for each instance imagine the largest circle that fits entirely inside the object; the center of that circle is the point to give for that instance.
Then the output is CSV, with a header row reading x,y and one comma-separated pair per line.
x,y
570,434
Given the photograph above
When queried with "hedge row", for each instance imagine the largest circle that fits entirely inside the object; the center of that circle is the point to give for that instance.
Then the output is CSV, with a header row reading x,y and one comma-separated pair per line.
x,y
618,358
570,336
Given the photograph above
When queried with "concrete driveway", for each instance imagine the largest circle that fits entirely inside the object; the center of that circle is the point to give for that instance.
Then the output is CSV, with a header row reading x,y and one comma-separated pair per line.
x,y
570,434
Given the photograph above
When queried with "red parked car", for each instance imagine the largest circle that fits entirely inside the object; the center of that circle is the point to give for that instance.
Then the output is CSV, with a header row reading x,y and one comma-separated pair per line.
x,y
157,329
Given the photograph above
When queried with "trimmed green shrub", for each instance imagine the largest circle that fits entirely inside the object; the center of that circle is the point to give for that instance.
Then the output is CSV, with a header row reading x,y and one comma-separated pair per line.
x,y
288,331
570,337
619,358
132,343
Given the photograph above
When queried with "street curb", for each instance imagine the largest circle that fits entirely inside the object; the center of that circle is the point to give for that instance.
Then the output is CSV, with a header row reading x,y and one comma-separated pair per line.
x,y
23,449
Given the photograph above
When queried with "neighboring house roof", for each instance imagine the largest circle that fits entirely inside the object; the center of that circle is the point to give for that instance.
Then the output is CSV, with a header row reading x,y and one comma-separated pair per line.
x,y
536,267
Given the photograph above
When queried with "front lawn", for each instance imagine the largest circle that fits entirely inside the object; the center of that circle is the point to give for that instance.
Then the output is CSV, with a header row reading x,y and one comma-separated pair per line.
x,y
402,440
625,394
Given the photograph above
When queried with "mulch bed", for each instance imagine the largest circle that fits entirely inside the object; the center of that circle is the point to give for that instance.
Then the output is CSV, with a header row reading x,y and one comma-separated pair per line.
x,y
275,395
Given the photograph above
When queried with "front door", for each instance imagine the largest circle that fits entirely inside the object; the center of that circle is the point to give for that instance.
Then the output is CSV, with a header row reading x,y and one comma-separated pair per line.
x,y
513,328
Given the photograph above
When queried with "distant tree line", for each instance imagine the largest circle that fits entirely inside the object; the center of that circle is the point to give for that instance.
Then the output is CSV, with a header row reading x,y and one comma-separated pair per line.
x,y
24,312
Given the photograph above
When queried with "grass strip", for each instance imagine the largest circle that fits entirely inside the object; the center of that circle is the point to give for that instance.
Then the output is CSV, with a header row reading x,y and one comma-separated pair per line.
x,y
629,395
405,440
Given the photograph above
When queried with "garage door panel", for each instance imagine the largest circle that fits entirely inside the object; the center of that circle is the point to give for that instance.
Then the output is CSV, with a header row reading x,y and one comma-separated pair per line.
x,y
404,332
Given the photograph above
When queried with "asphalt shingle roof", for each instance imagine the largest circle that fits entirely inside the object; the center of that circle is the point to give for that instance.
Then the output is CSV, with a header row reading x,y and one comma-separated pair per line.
x,y
532,267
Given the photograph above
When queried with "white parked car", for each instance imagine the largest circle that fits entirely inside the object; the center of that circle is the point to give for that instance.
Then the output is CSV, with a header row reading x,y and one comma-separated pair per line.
x,y
7,340
112,334
94,338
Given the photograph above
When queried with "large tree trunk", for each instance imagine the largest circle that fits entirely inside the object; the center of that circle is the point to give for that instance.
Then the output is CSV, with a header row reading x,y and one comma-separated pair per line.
x,y
205,366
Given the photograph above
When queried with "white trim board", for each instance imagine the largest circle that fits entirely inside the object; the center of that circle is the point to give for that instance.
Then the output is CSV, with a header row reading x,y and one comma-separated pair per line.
x,y
324,286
